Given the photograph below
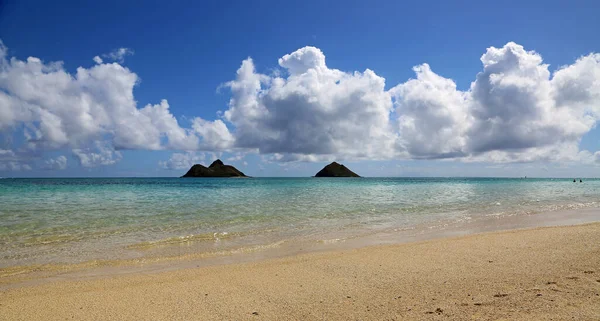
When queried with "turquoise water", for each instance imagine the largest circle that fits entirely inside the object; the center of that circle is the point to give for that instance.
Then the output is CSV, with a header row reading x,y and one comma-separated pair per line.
x,y
74,220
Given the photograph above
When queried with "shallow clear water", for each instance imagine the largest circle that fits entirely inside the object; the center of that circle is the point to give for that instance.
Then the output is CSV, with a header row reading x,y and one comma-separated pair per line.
x,y
73,220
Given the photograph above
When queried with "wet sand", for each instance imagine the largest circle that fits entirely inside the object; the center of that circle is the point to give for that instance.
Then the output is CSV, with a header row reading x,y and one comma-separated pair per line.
x,y
542,274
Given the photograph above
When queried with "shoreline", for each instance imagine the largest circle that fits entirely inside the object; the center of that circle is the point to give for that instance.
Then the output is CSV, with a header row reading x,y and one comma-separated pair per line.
x,y
540,273
27,275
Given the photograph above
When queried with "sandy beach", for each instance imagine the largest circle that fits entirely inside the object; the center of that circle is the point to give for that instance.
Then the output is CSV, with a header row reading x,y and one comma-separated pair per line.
x,y
299,160
550,273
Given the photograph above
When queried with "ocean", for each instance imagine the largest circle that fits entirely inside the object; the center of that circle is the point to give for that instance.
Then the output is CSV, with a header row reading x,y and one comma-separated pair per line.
x,y
73,220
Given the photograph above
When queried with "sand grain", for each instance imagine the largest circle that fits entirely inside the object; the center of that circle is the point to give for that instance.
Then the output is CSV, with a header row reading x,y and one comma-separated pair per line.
x,y
541,274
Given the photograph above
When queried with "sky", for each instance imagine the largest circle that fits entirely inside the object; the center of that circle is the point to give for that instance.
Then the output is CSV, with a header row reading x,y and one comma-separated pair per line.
x,y
389,88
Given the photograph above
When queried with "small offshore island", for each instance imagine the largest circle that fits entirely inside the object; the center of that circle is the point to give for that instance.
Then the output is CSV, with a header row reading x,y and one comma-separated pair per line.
x,y
336,170
216,169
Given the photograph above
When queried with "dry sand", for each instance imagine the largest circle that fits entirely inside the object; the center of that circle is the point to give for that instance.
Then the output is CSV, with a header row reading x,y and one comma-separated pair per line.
x,y
540,274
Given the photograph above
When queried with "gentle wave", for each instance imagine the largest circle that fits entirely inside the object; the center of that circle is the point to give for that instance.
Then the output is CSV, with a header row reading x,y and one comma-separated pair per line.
x,y
74,220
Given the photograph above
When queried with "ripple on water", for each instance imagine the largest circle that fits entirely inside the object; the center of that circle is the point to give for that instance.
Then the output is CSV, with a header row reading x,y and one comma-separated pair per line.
x,y
71,220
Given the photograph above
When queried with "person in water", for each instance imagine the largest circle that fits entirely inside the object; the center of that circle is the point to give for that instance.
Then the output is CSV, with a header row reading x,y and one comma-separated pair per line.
x,y
574,180
580,181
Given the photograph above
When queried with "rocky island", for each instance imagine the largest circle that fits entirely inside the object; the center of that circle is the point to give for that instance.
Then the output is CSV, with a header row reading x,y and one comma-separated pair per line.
x,y
216,169
336,170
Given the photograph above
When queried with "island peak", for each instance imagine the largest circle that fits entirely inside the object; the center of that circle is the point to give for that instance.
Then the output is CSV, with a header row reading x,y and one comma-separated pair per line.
x,y
216,169
218,162
336,170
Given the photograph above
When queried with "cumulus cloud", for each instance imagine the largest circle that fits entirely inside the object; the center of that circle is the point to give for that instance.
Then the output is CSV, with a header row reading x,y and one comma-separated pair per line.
x,y
315,110
214,134
433,116
566,152
237,157
517,105
117,55
100,155
182,160
58,163
95,106
11,160
515,110
14,166
288,158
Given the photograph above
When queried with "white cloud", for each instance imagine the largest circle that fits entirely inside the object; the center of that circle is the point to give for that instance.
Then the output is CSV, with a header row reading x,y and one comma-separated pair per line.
x,y
561,153
58,163
517,105
214,134
237,157
433,116
11,160
515,110
182,160
100,155
14,166
314,111
6,153
117,55
94,106
288,158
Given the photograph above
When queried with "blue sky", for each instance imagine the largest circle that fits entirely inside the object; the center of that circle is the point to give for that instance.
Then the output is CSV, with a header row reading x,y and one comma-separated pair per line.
x,y
185,51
